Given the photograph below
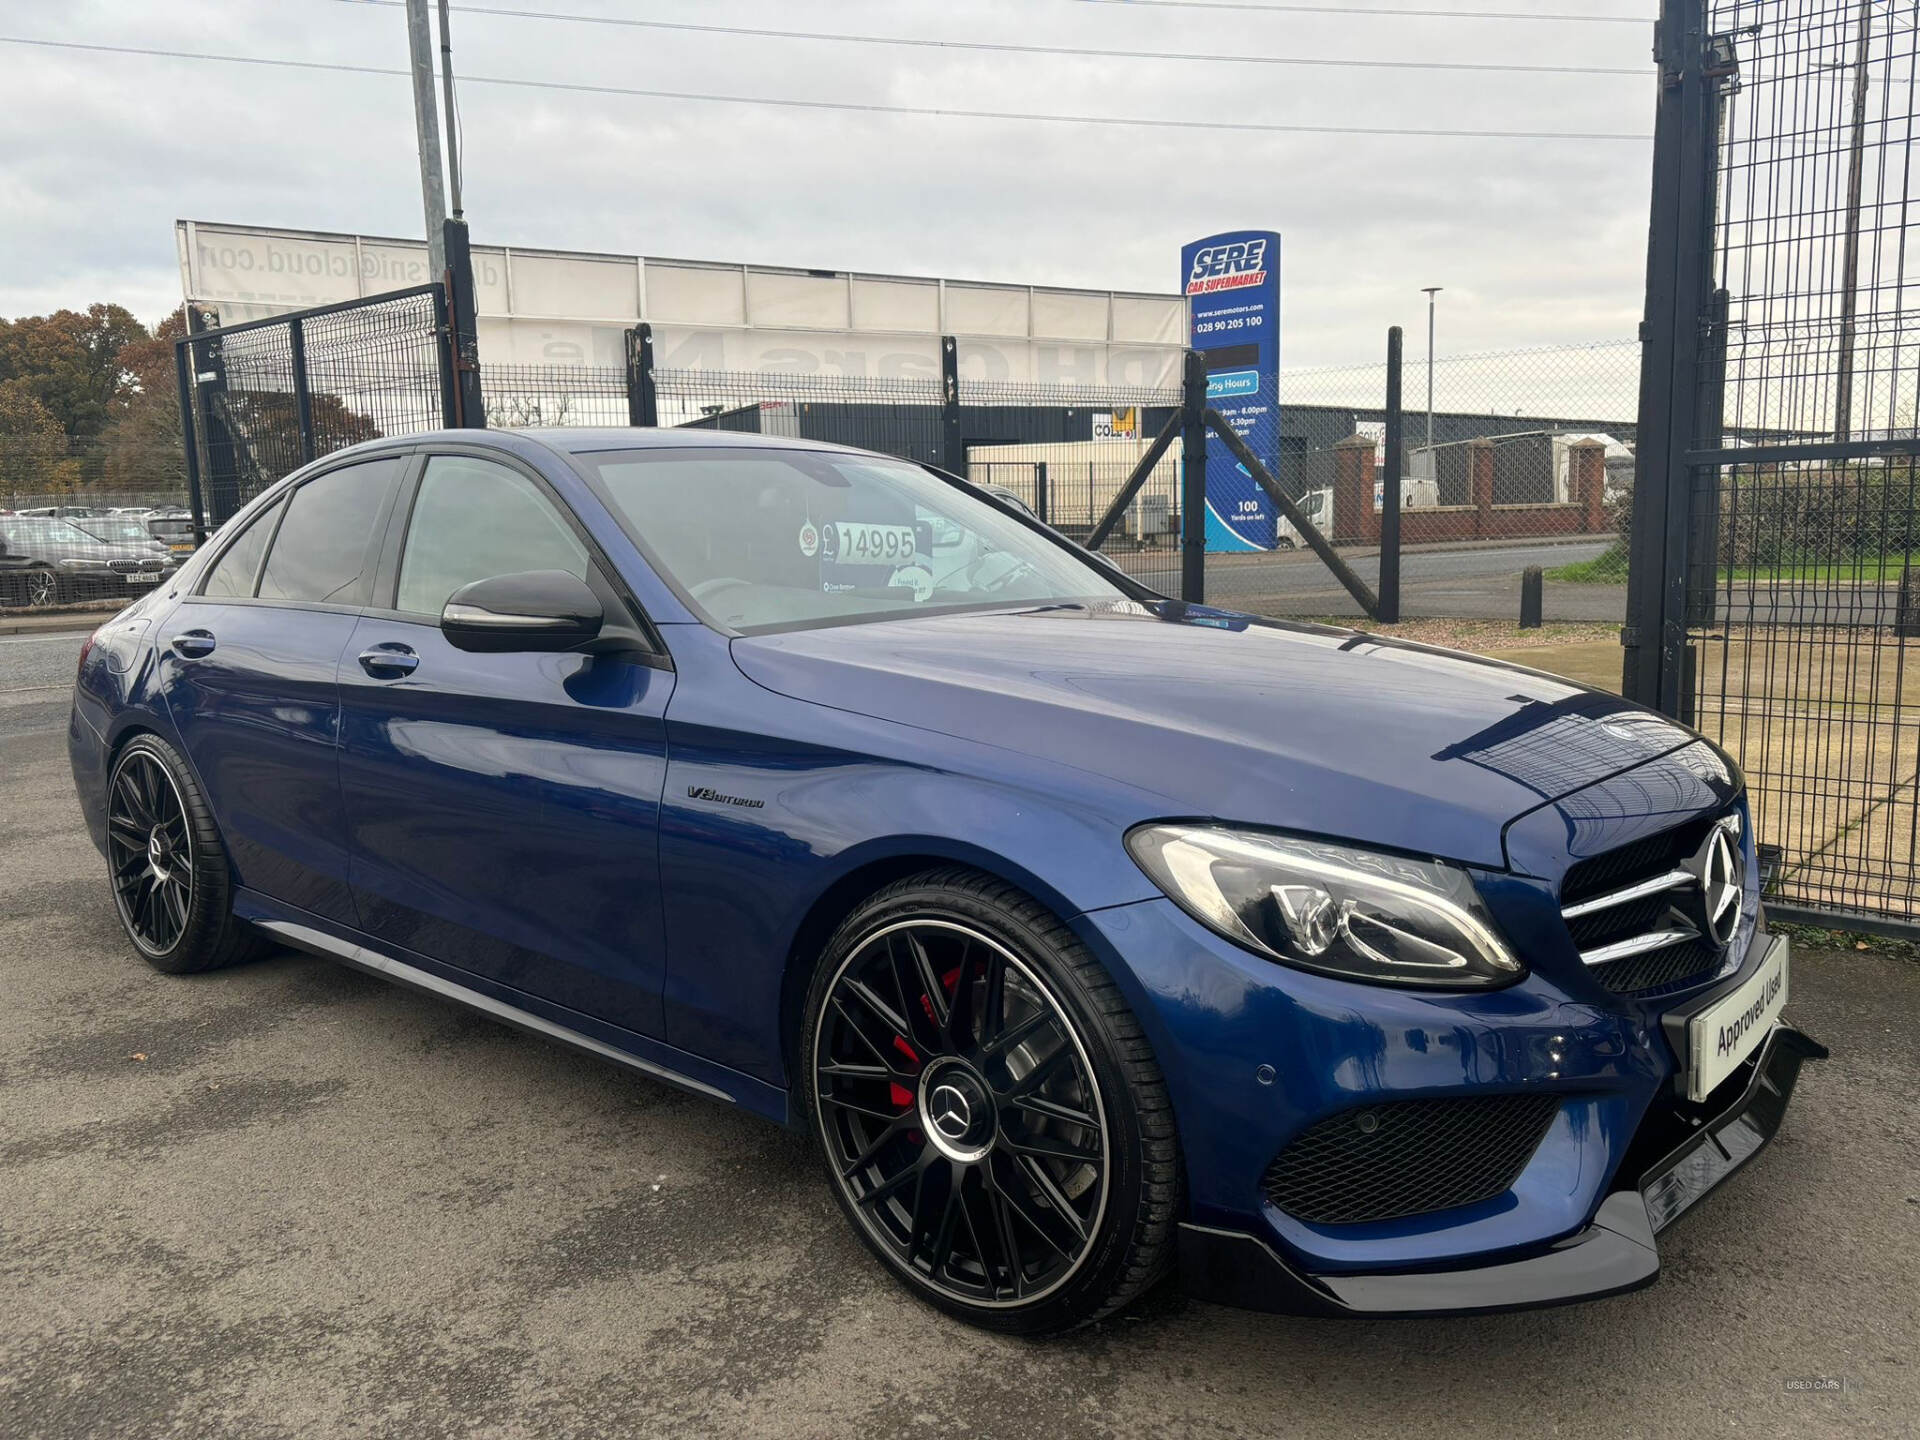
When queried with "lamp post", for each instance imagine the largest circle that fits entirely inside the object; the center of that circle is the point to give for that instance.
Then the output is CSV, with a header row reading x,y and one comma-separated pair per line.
x,y
1433,470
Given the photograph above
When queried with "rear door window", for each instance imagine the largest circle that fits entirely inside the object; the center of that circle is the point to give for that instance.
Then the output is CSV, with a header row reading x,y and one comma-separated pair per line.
x,y
325,551
234,573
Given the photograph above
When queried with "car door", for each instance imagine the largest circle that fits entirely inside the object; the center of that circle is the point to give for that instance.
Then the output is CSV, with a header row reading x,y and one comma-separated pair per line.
x,y
248,664
503,808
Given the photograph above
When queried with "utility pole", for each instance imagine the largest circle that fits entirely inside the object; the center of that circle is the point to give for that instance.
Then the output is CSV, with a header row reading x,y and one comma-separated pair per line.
x,y
1433,468
1850,261
453,114
427,124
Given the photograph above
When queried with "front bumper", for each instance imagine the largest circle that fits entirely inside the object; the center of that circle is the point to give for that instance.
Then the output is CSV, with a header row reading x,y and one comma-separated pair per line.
x,y
1615,1253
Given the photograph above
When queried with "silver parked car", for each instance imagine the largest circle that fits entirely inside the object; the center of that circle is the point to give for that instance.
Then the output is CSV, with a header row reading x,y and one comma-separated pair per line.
x,y
45,561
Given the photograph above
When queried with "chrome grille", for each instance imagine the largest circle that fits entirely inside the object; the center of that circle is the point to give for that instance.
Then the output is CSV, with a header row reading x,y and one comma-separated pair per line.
x,y
1636,914
134,567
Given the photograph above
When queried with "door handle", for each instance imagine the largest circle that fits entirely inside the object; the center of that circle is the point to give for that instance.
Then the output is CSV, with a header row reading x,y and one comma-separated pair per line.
x,y
193,644
389,661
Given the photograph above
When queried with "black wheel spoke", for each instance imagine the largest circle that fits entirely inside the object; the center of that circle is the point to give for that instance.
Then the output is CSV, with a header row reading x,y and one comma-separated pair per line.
x,y
1009,1247
923,1000
884,1054
1043,1072
1054,1110
1047,1187
859,1107
1008,1038
885,1012
989,1245
959,1111
880,1142
891,1184
963,1018
1047,1146
940,1251
1017,1207
859,1072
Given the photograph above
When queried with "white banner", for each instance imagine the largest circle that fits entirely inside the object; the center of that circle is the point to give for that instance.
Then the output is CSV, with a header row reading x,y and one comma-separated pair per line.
x,y
543,307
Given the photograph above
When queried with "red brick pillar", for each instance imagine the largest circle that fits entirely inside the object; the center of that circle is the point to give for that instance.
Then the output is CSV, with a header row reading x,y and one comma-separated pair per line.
x,y
1587,483
1480,484
1353,512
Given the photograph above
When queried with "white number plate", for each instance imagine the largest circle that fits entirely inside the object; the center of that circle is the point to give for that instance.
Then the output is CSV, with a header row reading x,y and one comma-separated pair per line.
x,y
1731,1029
874,544
150,577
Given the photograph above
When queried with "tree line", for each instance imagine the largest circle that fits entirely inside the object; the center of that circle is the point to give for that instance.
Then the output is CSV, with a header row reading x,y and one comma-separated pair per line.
x,y
87,399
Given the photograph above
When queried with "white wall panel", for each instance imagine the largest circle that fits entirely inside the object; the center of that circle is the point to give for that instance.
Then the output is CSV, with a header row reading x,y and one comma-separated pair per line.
x,y
551,308
1069,315
778,300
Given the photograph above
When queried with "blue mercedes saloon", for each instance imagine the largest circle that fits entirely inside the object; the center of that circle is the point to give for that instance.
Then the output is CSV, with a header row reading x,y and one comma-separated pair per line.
x,y
1093,936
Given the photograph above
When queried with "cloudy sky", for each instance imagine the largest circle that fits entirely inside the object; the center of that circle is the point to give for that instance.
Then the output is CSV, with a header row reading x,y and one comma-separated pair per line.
x,y
1537,241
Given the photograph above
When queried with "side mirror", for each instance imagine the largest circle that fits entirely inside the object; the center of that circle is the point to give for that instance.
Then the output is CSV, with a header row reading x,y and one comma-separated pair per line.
x,y
536,610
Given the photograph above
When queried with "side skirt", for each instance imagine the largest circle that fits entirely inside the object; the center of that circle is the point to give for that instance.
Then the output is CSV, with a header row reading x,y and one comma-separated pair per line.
x,y
375,962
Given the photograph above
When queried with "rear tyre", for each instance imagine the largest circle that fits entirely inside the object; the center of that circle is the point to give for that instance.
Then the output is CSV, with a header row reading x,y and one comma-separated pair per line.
x,y
993,1122
171,881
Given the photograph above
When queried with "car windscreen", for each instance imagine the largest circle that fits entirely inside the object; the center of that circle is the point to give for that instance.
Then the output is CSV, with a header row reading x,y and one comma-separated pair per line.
x,y
773,539
116,532
33,531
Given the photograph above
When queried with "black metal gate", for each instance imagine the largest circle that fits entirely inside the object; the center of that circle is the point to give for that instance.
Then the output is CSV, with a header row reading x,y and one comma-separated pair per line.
x,y
1771,599
261,399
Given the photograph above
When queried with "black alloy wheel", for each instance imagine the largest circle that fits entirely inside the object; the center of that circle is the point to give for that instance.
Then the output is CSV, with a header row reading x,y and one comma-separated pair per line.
x,y
172,882
150,853
969,1132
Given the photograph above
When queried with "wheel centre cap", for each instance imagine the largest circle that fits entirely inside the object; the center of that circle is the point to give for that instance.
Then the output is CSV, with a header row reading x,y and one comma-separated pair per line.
x,y
159,853
956,1111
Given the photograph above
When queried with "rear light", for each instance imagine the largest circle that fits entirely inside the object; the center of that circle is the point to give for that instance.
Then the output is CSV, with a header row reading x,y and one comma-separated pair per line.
x,y
86,649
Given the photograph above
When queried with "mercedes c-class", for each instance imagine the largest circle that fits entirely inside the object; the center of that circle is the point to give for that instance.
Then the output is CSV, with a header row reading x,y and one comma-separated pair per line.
x,y
1094,936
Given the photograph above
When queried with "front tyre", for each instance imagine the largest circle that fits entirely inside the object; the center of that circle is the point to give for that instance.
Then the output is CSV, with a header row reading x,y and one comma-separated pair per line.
x,y
171,882
993,1121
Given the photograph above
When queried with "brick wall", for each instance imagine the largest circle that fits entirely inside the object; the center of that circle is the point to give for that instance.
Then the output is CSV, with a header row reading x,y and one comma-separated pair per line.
x,y
1356,522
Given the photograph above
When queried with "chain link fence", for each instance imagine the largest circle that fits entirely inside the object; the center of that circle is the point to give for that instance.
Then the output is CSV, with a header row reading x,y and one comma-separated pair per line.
x,y
1524,458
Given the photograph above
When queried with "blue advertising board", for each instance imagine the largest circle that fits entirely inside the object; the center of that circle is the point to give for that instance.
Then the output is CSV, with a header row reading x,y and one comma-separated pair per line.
x,y
1232,282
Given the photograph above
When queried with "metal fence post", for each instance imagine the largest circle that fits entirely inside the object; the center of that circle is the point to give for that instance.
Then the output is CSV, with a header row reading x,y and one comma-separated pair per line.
x,y
1193,480
302,398
643,401
1389,588
210,403
183,366
1040,491
951,460
1679,264
469,405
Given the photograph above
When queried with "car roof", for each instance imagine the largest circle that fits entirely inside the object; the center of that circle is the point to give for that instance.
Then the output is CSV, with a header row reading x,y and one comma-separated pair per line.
x,y
580,440
585,439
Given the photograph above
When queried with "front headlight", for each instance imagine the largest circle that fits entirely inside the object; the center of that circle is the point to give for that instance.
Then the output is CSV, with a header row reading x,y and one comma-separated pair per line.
x,y
1359,914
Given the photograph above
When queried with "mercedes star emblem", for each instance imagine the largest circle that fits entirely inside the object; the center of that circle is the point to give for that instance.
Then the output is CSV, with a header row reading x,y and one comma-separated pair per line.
x,y
951,1114
1720,885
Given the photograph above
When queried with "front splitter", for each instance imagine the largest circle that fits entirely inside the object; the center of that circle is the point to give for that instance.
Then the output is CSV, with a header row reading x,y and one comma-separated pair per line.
x,y
1614,1254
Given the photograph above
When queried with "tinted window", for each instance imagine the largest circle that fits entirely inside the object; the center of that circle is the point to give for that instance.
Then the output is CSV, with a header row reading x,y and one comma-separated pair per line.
x,y
322,552
759,538
474,520
233,573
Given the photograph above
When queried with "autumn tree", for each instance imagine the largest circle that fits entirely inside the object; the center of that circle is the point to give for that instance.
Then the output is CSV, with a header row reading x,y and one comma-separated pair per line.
x,y
33,448
72,362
